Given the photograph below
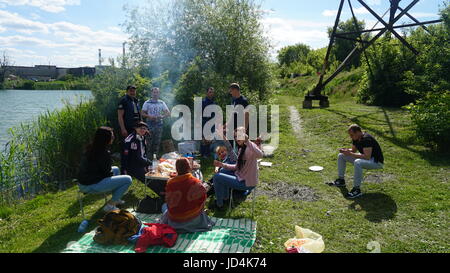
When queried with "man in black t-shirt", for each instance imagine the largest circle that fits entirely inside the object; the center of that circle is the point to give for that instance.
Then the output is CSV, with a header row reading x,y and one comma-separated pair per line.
x,y
128,112
237,99
365,154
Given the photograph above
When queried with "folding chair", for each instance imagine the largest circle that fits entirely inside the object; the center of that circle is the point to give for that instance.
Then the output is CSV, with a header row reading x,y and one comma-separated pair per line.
x,y
253,193
81,195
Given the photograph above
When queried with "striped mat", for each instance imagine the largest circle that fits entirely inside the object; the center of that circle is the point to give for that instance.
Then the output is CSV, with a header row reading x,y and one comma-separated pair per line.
x,y
227,236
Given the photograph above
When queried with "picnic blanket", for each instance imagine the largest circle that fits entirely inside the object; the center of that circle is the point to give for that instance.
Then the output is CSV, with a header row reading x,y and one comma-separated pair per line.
x,y
227,236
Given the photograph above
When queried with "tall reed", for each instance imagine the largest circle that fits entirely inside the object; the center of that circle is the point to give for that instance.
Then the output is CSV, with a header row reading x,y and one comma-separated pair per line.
x,y
46,150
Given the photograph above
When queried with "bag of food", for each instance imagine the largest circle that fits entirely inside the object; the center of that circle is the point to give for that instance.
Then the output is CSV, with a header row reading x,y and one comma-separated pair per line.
x,y
150,205
116,227
305,241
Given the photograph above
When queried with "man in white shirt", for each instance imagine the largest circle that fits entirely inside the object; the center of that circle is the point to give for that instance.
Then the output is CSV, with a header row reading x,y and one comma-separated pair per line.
x,y
154,110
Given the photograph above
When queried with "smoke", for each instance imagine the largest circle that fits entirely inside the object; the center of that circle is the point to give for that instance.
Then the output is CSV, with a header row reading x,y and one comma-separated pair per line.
x,y
159,41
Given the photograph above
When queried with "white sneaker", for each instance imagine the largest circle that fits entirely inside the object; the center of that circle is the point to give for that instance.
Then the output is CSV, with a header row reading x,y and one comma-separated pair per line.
x,y
109,208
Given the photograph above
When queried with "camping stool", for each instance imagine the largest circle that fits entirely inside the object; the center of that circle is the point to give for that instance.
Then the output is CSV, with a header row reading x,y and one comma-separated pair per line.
x,y
253,193
81,195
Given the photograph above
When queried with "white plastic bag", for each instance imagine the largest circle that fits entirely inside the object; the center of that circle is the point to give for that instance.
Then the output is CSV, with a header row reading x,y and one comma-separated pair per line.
x,y
305,241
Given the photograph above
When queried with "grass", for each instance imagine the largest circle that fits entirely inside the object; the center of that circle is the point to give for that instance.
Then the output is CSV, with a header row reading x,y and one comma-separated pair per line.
x,y
407,212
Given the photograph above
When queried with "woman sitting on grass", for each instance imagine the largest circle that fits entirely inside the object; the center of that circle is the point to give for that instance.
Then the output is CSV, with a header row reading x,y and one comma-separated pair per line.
x,y
245,170
96,174
185,200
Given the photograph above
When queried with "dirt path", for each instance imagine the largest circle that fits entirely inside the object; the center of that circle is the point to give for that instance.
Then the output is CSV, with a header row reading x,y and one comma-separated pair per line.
x,y
296,121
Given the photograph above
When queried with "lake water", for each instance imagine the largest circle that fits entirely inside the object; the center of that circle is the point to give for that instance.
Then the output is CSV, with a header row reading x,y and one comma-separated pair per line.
x,y
25,105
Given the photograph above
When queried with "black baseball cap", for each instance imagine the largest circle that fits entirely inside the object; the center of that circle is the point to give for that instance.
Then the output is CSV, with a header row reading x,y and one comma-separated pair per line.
x,y
141,124
131,87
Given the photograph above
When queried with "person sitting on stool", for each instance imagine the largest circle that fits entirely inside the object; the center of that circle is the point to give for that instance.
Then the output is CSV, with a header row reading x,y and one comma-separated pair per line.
x,y
96,175
370,156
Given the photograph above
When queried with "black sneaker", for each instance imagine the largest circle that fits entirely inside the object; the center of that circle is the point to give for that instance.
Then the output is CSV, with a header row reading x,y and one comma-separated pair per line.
x,y
355,192
338,183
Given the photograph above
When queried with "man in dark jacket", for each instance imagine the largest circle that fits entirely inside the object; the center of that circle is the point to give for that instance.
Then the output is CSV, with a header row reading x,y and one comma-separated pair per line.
x,y
208,100
128,112
134,158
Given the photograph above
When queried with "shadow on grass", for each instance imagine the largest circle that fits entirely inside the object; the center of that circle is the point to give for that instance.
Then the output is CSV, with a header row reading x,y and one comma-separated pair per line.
x,y
378,206
238,198
433,157
74,209
58,241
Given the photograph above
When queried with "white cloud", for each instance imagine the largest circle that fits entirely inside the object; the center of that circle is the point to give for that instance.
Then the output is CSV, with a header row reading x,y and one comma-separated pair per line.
x,y
283,32
19,40
35,16
53,6
361,10
66,43
15,22
374,2
267,11
329,13
423,15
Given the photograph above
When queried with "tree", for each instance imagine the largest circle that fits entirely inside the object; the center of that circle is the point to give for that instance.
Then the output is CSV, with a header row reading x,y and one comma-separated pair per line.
x,y
381,83
342,47
216,38
295,53
5,63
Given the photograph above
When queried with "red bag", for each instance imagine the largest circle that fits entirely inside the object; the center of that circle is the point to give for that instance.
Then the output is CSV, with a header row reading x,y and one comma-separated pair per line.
x,y
156,234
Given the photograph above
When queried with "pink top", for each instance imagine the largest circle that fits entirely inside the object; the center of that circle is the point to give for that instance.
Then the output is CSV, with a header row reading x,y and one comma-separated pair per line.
x,y
249,171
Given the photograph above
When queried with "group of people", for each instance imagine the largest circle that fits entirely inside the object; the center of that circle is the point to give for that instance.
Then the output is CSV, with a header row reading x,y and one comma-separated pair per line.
x,y
185,195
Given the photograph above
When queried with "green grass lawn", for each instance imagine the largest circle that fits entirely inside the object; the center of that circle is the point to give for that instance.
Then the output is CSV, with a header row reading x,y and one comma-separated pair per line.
x,y
408,211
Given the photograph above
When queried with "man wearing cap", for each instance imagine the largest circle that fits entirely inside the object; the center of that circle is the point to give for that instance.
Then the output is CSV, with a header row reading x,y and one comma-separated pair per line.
x,y
128,112
134,159
155,110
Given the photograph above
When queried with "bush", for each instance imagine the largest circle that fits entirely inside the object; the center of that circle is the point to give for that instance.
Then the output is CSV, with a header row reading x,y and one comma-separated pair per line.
x,y
431,116
381,82
429,81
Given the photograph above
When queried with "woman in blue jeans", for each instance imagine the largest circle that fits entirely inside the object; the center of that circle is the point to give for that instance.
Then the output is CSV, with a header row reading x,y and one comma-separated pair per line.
x,y
246,171
96,175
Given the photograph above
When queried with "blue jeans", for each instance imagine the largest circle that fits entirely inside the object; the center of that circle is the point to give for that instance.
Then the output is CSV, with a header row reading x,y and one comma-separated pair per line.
x,y
225,171
359,164
117,184
222,185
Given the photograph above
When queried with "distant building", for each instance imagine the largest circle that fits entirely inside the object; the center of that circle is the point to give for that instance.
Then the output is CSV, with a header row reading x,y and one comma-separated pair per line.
x,y
100,68
81,71
47,72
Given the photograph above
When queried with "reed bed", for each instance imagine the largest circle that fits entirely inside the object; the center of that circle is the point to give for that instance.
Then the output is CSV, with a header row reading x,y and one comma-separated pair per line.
x,y
45,152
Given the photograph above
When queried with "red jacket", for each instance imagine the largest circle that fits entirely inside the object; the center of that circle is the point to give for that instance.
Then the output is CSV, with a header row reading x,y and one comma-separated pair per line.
x,y
185,197
156,234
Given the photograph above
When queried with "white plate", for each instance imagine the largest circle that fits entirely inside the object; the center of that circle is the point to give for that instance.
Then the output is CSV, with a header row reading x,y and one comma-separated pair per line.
x,y
316,168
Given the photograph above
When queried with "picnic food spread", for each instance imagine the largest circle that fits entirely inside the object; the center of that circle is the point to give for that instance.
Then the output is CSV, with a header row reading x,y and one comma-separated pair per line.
x,y
166,169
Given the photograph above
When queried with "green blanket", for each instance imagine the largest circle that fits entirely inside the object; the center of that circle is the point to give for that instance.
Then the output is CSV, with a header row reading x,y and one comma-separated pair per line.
x,y
227,236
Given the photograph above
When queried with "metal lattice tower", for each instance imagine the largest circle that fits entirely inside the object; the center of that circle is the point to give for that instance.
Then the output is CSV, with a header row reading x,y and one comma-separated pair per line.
x,y
362,45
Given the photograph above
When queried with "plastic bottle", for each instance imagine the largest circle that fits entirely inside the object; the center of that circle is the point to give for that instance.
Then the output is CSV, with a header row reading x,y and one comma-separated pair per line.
x,y
154,163
83,226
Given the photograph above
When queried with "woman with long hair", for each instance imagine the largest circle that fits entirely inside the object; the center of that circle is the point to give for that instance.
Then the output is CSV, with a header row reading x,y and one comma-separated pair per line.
x,y
96,175
246,173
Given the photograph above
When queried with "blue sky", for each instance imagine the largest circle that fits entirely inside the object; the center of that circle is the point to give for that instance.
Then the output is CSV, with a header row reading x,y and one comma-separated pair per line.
x,y
68,33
